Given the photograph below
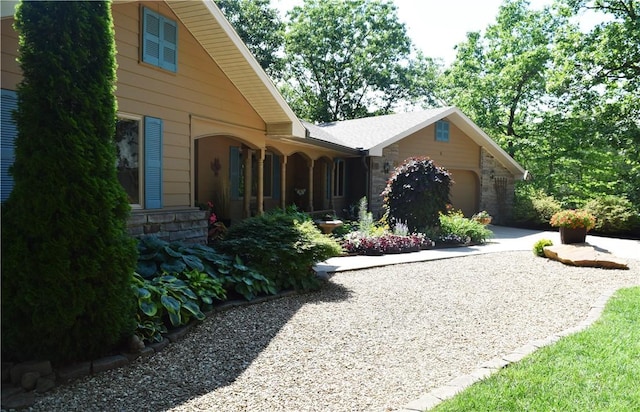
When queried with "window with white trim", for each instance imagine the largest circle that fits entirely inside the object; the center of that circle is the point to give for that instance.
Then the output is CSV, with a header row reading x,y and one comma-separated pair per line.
x,y
159,40
138,143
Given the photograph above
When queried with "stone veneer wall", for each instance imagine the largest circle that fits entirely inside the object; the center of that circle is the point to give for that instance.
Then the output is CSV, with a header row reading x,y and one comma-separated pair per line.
x,y
390,154
189,225
495,178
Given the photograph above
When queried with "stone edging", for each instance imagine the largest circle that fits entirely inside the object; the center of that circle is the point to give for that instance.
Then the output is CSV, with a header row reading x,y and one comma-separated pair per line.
x,y
21,381
457,385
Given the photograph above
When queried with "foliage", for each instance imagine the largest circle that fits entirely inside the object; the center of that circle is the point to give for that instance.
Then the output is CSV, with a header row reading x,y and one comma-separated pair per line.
x,y
533,207
416,193
216,230
454,223
350,59
169,298
66,259
614,215
366,244
284,244
206,287
157,257
562,101
260,28
573,219
366,223
538,247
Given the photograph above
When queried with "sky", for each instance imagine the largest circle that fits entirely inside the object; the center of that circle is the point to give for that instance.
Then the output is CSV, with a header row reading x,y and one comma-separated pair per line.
x,y
436,26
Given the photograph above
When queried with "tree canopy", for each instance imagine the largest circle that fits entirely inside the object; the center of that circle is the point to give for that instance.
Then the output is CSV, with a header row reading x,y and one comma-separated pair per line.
x,y
346,60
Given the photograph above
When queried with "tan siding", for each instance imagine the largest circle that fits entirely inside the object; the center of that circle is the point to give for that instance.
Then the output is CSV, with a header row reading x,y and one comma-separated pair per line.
x,y
11,73
199,87
460,152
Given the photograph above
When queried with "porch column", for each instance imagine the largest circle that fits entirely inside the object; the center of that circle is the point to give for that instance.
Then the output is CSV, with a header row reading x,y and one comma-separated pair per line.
x,y
311,185
246,203
260,194
283,183
332,172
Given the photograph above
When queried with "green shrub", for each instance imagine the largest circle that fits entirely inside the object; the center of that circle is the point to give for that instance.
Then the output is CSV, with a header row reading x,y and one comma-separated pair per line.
x,y
158,257
284,244
455,225
538,247
416,192
67,261
533,207
614,214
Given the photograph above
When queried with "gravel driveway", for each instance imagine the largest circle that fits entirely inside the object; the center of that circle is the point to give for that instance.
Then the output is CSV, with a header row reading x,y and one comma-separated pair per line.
x,y
371,340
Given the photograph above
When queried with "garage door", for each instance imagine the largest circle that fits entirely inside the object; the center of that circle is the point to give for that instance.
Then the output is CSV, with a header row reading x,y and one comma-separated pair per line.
x,y
465,192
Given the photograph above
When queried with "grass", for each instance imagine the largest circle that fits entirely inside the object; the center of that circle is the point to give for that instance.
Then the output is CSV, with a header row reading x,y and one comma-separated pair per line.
x,y
597,369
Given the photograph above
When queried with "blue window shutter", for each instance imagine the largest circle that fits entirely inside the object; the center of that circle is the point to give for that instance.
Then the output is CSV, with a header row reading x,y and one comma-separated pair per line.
x,y
169,44
275,193
8,133
234,172
151,41
152,163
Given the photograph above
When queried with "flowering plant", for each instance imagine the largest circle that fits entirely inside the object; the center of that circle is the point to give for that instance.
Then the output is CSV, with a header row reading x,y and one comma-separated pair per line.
x,y
573,219
482,215
216,229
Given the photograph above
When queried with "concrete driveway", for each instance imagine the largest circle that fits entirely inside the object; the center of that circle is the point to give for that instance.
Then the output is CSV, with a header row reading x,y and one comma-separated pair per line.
x,y
504,239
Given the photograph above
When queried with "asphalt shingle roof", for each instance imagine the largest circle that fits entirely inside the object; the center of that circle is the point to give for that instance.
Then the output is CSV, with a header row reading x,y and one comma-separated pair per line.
x,y
369,132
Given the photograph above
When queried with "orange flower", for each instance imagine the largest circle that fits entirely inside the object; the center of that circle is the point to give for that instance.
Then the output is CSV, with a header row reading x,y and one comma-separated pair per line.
x,y
573,219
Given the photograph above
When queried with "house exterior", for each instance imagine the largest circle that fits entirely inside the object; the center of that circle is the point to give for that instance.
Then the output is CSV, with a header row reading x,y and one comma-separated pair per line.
x,y
483,173
199,121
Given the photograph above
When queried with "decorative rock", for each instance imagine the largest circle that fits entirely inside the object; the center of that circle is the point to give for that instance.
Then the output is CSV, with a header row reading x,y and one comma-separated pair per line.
x,y
75,371
29,380
583,255
19,401
45,384
158,346
110,362
135,344
43,368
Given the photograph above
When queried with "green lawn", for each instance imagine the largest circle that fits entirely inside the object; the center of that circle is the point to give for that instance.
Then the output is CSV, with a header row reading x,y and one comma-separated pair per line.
x,y
597,369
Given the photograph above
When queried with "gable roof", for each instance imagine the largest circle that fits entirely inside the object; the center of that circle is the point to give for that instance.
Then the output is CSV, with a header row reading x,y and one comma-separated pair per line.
x,y
375,133
207,24
213,31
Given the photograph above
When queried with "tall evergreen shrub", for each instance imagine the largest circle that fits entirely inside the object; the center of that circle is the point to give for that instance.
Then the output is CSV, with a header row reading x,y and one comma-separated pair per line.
x,y
67,263
416,192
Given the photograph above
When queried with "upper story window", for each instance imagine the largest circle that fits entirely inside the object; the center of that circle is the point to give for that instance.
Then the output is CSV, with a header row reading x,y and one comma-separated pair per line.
x,y
442,131
159,40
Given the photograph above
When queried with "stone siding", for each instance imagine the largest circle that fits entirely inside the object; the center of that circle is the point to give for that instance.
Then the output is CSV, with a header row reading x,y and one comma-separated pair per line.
x,y
496,188
189,225
390,156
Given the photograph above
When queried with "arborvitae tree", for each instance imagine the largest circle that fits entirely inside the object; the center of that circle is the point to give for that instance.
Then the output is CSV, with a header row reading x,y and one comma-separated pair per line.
x,y
67,263
416,192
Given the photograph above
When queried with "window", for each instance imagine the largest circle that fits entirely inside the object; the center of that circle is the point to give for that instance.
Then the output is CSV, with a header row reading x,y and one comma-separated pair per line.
x,y
128,163
270,176
442,131
338,177
159,40
128,160
9,102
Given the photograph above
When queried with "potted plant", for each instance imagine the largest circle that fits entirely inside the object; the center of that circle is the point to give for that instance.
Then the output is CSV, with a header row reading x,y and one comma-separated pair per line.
x,y
483,217
573,224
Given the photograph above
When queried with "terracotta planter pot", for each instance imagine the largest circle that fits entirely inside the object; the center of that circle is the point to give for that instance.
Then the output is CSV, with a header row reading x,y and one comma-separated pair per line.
x,y
568,235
